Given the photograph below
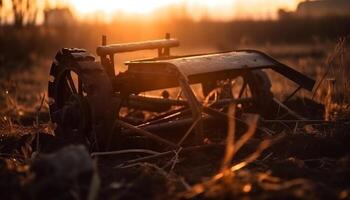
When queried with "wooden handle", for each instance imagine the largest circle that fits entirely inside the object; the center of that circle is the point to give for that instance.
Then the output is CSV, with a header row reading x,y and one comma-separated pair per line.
x,y
127,47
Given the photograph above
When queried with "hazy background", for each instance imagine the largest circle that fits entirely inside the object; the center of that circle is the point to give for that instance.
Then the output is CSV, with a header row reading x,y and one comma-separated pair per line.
x,y
220,24
299,33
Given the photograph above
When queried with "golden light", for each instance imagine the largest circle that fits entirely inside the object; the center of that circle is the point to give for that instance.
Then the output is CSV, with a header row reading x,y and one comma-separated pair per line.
x,y
247,188
109,6
215,9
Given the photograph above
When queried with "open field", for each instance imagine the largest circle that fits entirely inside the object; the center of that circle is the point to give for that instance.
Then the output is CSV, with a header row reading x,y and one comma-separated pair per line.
x,y
282,160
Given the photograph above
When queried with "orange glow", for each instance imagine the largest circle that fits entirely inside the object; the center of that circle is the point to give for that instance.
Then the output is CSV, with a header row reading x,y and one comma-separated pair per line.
x,y
215,9
109,6
247,188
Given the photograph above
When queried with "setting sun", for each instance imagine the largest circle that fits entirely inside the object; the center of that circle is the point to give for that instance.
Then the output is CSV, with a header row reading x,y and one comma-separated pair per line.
x,y
109,6
219,9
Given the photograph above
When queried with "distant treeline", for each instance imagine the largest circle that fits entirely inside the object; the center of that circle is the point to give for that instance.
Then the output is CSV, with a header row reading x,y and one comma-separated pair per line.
x,y
260,32
27,42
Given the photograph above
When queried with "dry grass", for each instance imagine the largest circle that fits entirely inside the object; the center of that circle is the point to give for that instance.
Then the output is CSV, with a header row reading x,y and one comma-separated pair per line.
x,y
333,87
226,179
233,177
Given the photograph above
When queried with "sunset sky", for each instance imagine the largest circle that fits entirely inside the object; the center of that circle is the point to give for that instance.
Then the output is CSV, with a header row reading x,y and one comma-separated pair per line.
x,y
215,9
197,9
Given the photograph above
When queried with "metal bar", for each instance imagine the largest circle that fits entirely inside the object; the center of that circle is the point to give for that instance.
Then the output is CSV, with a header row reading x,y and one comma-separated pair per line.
x,y
298,121
173,102
292,94
168,125
150,103
166,117
221,102
166,49
242,89
221,115
214,113
71,83
157,101
195,106
291,112
295,76
124,151
146,133
176,124
194,124
128,47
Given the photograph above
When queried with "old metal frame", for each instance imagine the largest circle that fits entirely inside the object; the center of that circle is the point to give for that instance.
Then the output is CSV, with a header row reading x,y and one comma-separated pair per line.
x,y
172,71
124,84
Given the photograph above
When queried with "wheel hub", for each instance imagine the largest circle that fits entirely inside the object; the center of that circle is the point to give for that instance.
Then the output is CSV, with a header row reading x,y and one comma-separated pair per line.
x,y
75,114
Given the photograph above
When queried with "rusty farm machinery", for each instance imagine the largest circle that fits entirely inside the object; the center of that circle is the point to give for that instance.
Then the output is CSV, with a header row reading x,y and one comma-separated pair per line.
x,y
168,101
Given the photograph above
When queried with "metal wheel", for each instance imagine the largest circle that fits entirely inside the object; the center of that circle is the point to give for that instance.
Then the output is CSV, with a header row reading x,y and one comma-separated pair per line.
x,y
254,85
80,95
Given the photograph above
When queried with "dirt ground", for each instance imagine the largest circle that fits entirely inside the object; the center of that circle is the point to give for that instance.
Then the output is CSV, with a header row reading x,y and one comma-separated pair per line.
x,y
281,161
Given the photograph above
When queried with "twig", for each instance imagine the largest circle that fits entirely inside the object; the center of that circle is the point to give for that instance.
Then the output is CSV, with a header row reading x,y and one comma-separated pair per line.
x,y
37,123
330,60
268,156
230,139
145,158
185,184
167,153
250,132
267,131
263,145
108,153
145,133
194,124
175,160
295,128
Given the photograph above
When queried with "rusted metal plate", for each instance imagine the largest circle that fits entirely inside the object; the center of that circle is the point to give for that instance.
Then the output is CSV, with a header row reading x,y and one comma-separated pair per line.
x,y
219,62
201,64
228,61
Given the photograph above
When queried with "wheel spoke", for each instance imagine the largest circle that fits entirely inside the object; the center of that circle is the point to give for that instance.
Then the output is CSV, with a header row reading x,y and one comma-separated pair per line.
x,y
244,86
71,84
80,87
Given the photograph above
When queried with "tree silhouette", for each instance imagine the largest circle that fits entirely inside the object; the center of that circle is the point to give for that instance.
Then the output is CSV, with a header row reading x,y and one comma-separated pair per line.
x,y
25,12
1,7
